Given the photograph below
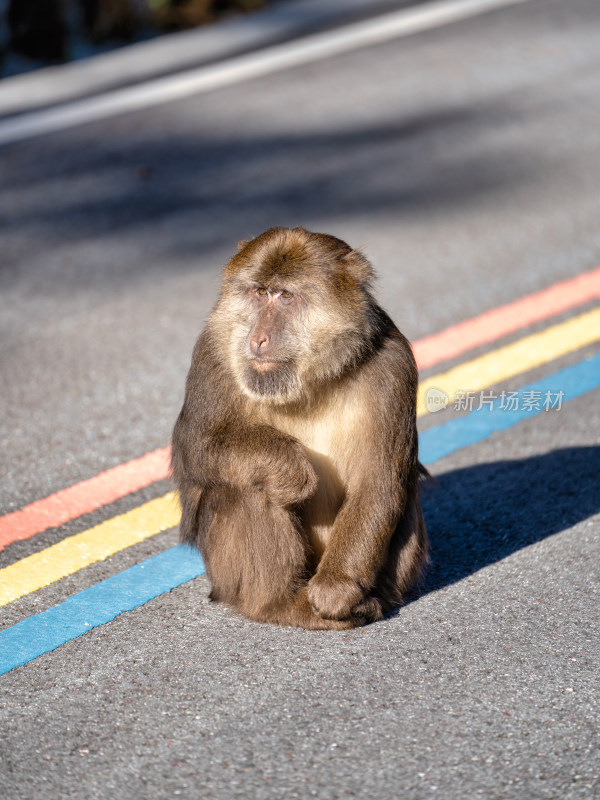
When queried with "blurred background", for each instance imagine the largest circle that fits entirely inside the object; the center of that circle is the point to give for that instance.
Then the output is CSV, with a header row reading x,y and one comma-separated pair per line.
x,y
37,32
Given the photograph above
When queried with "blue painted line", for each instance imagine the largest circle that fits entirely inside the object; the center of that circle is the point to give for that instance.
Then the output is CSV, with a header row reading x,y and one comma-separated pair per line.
x,y
97,605
135,586
445,439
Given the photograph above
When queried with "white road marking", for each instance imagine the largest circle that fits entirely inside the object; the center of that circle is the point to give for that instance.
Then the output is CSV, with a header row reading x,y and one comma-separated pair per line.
x,y
401,23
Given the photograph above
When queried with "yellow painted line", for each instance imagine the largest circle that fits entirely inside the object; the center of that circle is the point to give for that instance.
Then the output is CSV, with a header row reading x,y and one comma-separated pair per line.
x,y
104,540
95,544
520,356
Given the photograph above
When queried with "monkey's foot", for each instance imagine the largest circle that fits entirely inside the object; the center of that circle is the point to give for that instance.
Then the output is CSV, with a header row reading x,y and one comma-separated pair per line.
x,y
369,609
334,597
300,613
306,617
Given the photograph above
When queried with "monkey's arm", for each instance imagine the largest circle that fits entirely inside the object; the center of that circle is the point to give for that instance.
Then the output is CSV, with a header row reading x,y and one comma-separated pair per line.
x,y
245,456
354,555
382,489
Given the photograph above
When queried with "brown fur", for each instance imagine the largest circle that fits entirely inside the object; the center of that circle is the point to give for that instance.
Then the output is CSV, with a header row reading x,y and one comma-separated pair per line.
x,y
295,452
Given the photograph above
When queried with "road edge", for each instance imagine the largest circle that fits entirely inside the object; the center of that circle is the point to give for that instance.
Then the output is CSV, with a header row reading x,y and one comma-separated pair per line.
x,y
170,53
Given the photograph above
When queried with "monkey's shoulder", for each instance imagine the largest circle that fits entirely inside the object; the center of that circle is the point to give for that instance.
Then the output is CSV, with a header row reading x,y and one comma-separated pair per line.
x,y
210,386
392,358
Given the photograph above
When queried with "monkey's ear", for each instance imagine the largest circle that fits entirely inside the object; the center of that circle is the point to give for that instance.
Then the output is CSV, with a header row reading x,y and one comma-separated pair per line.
x,y
359,267
242,243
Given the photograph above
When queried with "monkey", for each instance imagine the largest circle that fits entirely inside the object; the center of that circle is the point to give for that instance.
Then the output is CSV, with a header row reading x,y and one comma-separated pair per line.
x,y
295,452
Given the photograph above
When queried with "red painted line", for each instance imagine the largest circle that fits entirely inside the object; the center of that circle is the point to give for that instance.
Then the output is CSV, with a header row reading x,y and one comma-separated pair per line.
x,y
83,497
491,325
109,486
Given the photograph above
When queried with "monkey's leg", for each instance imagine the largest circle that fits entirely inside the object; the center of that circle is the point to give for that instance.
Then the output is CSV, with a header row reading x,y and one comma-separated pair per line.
x,y
406,559
256,556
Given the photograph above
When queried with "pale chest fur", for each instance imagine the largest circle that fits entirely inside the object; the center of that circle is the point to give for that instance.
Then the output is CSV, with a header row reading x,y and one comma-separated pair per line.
x,y
335,437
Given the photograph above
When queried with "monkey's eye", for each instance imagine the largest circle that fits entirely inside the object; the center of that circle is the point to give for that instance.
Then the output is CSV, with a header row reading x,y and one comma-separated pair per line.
x,y
286,295
261,291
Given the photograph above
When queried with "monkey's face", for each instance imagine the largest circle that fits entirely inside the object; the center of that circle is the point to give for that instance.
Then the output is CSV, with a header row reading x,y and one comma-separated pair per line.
x,y
294,309
266,341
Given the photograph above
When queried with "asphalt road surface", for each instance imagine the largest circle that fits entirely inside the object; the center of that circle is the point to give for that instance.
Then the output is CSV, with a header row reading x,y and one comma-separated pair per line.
x,y
465,160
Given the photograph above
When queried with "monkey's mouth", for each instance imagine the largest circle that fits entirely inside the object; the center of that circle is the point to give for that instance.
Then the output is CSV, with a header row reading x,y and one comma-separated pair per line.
x,y
264,364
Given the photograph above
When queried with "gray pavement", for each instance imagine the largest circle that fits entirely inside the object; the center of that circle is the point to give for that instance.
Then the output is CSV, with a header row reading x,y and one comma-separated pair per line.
x,y
466,161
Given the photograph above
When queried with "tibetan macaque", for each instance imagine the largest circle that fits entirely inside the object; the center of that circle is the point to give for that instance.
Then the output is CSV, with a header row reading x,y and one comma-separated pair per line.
x,y
295,452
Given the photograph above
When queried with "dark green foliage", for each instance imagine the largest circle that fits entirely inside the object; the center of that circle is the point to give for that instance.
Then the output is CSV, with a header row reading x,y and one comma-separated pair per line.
x,y
46,29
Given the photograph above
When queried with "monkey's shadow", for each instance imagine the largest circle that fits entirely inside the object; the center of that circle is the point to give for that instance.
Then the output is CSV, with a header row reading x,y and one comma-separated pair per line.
x,y
480,514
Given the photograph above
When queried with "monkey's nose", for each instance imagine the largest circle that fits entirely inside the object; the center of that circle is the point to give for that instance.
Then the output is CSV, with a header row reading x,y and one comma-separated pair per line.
x,y
259,343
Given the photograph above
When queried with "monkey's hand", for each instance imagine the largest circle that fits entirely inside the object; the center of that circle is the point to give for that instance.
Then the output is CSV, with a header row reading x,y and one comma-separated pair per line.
x,y
333,596
256,457
288,477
